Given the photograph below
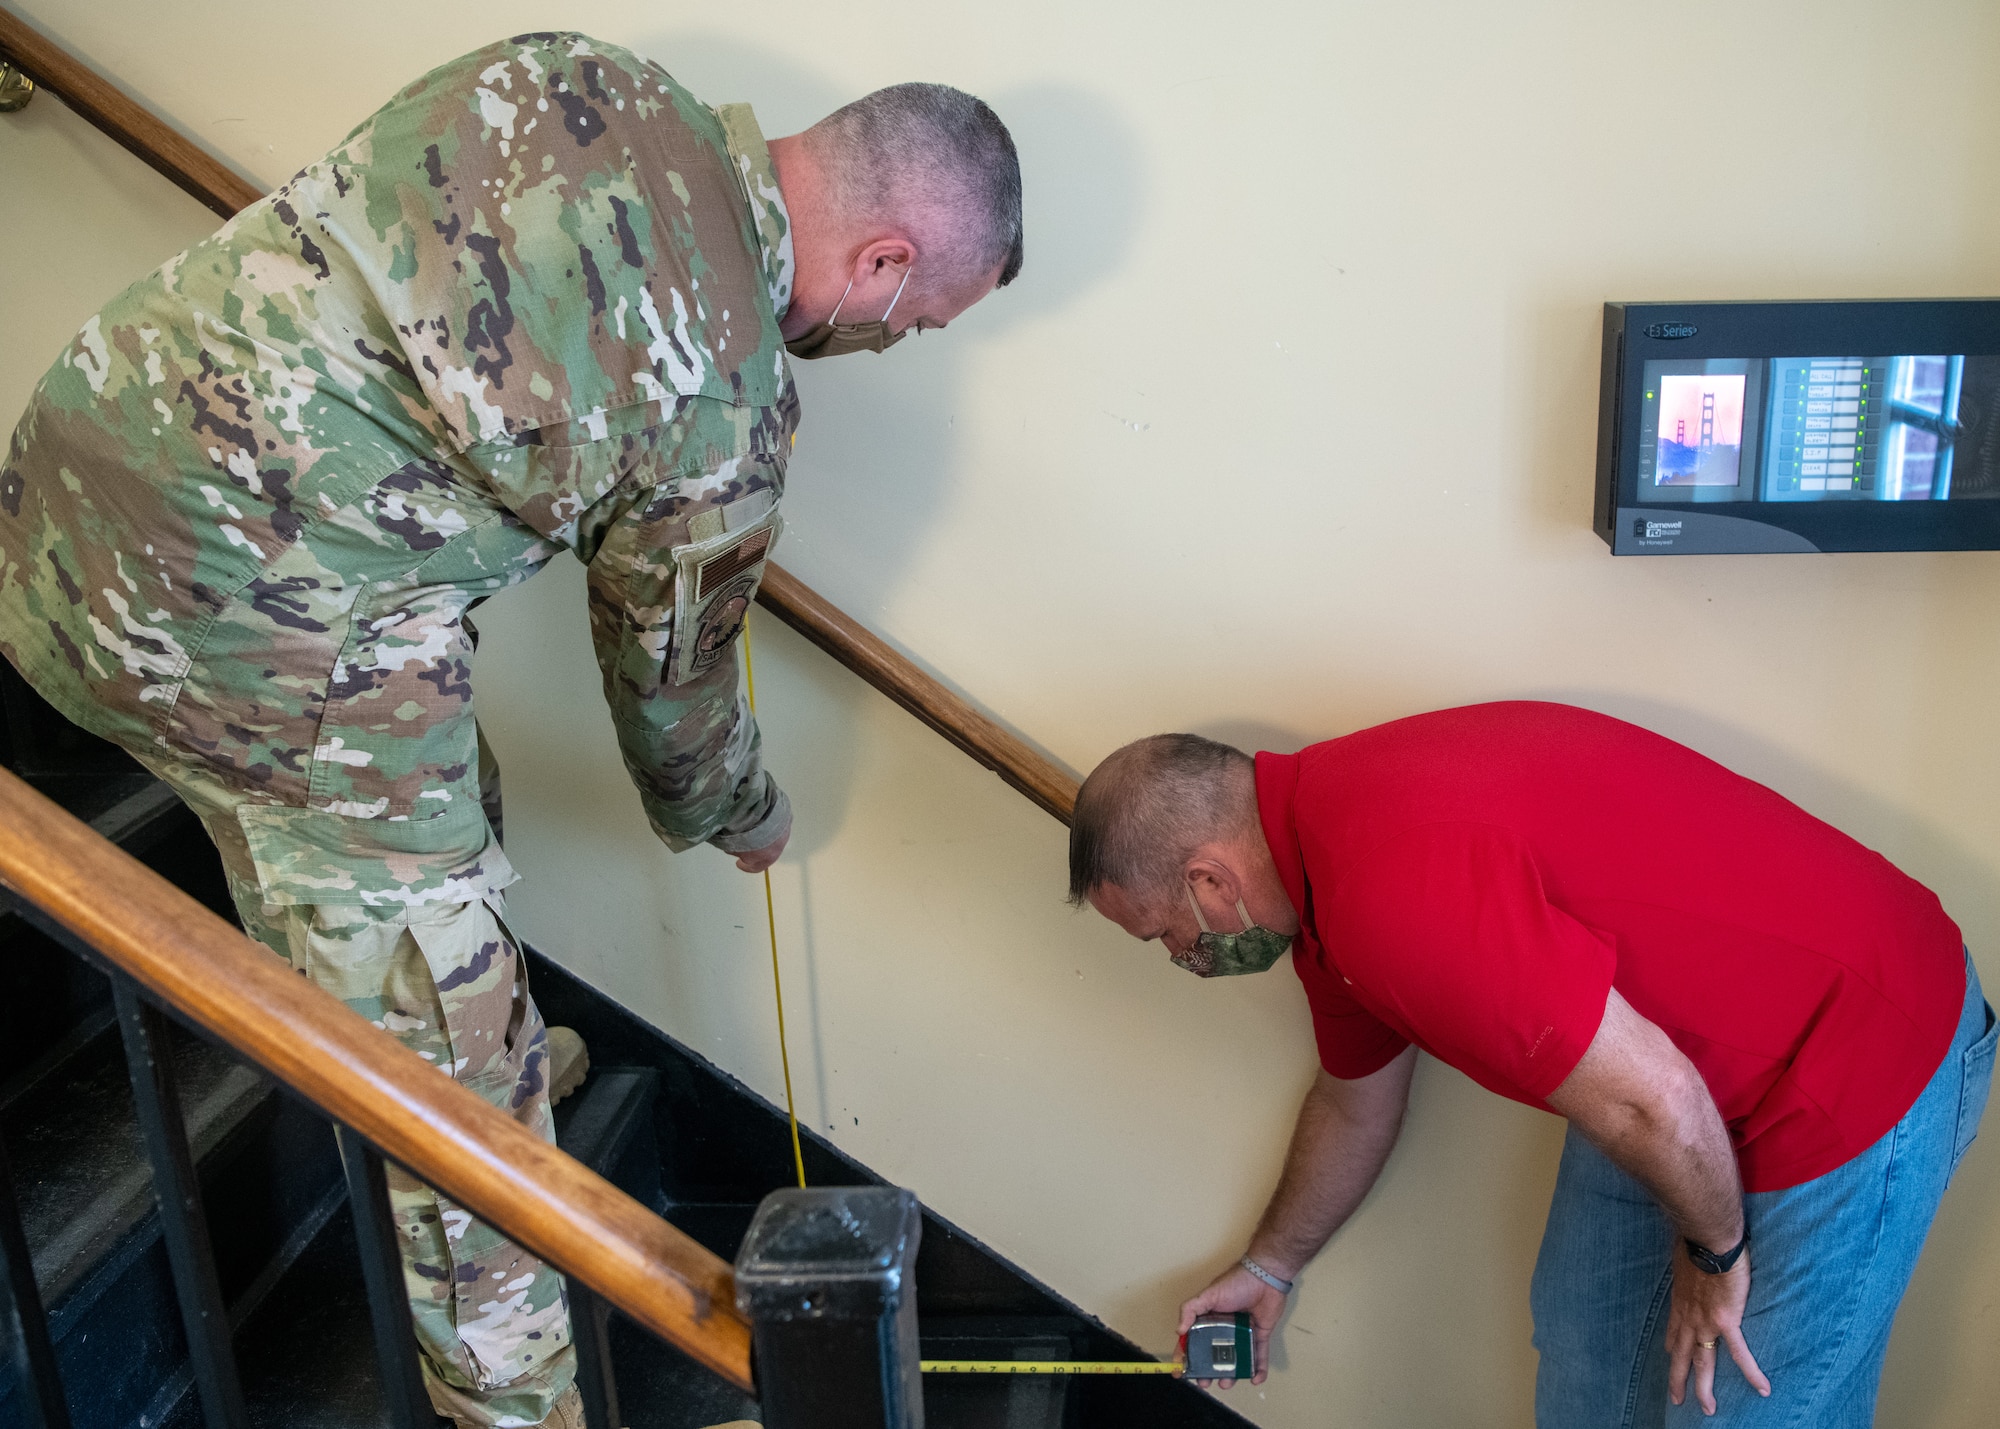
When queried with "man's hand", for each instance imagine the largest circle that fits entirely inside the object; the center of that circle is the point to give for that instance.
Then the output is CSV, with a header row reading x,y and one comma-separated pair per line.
x,y
1708,1307
759,859
1642,1103
1344,1133
1237,1289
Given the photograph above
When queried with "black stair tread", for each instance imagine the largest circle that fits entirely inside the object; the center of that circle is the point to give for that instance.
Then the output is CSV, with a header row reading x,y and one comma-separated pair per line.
x,y
306,1355
80,1170
40,745
89,796
135,815
134,811
307,1358
965,1401
52,994
718,1225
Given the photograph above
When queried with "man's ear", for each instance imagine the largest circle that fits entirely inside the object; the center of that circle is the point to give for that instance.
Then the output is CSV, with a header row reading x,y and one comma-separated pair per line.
x,y
1211,874
894,252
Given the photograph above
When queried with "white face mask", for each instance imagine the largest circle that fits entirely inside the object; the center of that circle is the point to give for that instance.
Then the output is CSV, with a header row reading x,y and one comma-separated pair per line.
x,y
833,338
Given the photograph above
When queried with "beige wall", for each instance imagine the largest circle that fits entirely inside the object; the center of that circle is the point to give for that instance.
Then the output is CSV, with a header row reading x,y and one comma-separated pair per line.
x,y
1287,428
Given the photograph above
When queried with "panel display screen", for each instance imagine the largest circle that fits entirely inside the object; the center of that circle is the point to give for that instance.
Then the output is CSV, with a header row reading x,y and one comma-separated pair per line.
x,y
1899,428
1800,426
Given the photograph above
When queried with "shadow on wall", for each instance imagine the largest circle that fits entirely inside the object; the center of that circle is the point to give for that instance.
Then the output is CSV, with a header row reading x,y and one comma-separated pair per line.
x,y
878,452
1249,735
1927,852
1255,737
1556,394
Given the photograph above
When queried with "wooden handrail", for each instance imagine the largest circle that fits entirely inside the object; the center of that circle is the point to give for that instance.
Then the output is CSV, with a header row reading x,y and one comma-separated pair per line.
x,y
445,1134
872,658
118,115
1018,763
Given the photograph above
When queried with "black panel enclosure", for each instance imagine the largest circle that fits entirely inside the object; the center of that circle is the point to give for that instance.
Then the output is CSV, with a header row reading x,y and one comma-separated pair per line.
x,y
1638,514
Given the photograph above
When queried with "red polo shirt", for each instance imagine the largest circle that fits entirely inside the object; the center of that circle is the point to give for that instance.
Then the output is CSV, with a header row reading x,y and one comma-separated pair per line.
x,y
1474,881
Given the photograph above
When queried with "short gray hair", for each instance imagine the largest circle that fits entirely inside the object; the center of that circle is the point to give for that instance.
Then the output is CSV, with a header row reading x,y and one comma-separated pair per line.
x,y
1144,811
917,152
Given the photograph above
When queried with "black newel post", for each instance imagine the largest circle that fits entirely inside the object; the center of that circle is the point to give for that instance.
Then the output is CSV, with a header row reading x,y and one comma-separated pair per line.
x,y
827,1278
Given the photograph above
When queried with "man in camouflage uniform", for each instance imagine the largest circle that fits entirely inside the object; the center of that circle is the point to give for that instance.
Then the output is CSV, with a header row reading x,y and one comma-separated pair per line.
x,y
540,302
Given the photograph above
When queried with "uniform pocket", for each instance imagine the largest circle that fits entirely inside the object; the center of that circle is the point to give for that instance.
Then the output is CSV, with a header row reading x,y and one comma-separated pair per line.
x,y
1978,1081
715,581
318,856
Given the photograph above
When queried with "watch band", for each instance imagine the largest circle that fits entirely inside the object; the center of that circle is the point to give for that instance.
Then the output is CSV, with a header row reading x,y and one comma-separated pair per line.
x,y
1714,1264
1283,1287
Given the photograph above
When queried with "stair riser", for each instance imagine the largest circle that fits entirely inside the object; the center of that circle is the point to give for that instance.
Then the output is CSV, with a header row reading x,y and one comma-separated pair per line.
x,y
266,1188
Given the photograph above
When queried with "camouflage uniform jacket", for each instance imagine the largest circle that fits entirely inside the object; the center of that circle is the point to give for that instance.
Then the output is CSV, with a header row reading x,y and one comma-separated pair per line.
x,y
532,304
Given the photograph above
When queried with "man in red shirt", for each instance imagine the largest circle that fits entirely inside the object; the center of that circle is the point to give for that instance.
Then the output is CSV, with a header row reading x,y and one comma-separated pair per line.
x,y
1749,1019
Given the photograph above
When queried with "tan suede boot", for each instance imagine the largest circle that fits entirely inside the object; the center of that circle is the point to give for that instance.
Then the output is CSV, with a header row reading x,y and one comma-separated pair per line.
x,y
568,1413
569,1063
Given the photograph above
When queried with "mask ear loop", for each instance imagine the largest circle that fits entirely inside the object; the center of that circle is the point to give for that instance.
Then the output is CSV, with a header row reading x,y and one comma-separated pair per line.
x,y
899,292
1244,914
1200,922
834,316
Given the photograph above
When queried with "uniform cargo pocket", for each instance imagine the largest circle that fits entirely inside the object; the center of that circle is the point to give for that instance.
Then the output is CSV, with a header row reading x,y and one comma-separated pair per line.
x,y
714,584
316,856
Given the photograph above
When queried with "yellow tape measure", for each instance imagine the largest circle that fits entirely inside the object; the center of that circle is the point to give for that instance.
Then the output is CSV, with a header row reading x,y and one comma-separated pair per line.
x,y
771,921
1173,1367
1052,1367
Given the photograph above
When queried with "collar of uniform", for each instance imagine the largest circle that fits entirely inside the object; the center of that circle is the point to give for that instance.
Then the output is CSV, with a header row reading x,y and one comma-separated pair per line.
x,y
752,160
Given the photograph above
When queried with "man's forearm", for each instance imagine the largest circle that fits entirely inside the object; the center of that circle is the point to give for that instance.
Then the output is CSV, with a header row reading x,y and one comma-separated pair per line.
x,y
698,765
1683,1156
1344,1134
1641,1102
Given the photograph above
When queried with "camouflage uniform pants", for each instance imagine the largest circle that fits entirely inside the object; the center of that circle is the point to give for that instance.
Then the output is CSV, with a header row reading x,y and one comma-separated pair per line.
x,y
448,981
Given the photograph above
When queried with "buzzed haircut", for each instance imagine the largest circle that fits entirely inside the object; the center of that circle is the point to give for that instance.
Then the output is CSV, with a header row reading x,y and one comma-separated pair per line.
x,y
937,157
1144,811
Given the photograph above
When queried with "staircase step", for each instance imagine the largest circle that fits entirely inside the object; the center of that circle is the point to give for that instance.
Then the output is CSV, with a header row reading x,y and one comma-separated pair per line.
x,y
41,746
723,1148
270,1177
966,1401
267,1162
670,1127
306,1354
80,1171
51,996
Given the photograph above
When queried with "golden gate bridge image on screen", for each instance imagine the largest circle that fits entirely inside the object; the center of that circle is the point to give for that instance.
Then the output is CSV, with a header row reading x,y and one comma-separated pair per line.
x,y
1704,413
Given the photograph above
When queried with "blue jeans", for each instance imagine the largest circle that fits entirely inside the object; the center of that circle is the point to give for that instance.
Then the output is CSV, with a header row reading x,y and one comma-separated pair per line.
x,y
1830,1261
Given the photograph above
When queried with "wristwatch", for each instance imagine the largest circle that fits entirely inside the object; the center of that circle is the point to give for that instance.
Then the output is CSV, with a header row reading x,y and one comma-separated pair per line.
x,y
1708,1260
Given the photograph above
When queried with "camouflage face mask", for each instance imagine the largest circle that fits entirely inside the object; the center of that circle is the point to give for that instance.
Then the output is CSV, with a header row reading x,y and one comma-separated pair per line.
x,y
833,338
1230,954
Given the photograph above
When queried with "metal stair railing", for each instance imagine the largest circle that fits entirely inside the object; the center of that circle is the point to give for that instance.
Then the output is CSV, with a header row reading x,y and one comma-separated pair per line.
x,y
164,952
828,1275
